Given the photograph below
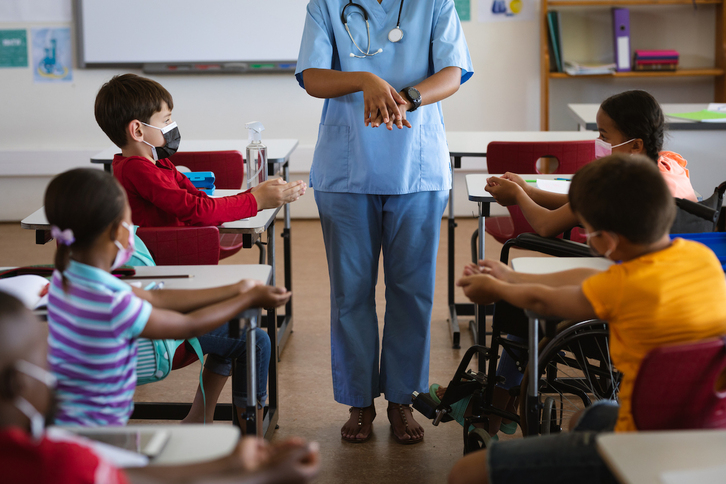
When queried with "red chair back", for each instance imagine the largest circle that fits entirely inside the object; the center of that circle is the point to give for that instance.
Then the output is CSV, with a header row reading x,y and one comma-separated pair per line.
x,y
171,246
521,157
682,387
228,166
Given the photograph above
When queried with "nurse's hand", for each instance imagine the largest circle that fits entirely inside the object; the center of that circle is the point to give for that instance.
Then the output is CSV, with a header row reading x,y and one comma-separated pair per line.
x,y
380,101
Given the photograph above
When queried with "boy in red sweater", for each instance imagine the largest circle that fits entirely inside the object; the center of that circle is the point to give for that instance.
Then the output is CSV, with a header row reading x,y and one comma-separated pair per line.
x,y
135,113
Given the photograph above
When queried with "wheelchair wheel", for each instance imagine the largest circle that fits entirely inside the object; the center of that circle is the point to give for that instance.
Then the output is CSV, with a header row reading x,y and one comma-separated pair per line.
x,y
574,370
477,439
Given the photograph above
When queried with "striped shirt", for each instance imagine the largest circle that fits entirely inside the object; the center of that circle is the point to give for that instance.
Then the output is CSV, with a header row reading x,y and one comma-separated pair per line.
x,y
92,347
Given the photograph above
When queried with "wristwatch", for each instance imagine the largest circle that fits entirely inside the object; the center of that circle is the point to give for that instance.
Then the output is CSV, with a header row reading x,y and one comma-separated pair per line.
x,y
412,94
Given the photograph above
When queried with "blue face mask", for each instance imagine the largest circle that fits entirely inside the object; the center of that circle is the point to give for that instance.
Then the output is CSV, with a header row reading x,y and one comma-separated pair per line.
x,y
172,137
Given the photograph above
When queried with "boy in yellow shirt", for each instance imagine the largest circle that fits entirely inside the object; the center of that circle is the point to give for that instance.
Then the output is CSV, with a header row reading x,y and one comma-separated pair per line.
x,y
662,293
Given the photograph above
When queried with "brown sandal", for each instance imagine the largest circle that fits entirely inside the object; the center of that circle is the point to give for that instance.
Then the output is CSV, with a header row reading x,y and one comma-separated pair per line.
x,y
360,425
410,441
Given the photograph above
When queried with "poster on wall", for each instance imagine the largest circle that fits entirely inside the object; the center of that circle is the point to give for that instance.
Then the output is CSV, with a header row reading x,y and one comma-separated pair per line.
x,y
52,56
463,8
13,48
507,10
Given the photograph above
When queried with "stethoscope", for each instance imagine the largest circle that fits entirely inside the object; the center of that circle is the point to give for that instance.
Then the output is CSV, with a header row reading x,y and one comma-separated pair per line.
x,y
394,35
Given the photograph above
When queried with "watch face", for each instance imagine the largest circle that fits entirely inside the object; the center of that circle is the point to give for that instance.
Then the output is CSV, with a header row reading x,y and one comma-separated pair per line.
x,y
413,94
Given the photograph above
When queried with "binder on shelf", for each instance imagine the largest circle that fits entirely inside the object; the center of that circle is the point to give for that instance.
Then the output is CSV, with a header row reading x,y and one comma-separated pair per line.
x,y
553,22
621,35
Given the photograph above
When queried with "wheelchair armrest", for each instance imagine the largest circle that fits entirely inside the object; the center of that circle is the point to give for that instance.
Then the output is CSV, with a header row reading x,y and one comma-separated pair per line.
x,y
546,245
698,210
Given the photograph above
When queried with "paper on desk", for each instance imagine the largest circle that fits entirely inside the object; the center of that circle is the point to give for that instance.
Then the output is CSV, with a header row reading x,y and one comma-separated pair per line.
x,y
556,186
708,475
717,107
29,288
704,116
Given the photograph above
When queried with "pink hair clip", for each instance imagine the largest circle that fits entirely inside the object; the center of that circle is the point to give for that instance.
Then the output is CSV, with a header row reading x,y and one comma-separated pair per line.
x,y
64,237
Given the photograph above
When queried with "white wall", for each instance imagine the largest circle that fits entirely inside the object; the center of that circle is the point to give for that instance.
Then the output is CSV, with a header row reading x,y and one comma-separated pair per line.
x,y
503,95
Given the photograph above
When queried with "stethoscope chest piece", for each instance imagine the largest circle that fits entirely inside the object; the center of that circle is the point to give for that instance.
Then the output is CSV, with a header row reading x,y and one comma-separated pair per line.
x,y
395,34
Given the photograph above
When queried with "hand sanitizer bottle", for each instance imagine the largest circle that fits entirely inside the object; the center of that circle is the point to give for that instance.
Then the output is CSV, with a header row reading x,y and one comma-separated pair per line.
x,y
256,156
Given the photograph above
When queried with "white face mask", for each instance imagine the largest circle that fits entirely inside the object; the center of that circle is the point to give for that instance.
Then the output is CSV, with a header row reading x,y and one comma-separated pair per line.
x,y
124,253
603,148
37,420
589,235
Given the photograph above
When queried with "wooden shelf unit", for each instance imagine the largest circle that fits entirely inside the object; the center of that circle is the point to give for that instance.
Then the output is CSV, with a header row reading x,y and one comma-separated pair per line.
x,y
718,72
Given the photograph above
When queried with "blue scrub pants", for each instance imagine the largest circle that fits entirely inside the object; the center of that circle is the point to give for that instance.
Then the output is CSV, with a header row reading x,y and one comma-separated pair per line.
x,y
355,229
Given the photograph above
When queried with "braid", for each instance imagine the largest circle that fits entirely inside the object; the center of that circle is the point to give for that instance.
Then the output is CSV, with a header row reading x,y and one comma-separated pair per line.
x,y
62,258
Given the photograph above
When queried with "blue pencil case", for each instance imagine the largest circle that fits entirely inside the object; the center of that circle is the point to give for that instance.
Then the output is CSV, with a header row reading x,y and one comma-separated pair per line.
x,y
203,180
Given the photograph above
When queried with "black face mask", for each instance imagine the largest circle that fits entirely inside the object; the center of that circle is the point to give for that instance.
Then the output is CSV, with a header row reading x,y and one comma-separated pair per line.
x,y
172,137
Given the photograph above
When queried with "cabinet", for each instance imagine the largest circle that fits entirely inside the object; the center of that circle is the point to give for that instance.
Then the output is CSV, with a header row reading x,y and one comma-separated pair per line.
x,y
717,71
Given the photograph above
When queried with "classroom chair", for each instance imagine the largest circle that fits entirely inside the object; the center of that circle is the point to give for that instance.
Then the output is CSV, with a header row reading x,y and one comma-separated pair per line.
x,y
682,387
228,169
182,245
521,157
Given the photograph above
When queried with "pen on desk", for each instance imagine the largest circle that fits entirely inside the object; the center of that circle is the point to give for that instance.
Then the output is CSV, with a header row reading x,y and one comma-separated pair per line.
x,y
564,179
150,286
531,181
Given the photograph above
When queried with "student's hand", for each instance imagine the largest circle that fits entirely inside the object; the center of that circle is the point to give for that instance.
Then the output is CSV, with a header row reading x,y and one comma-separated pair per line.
x,y
504,191
246,284
276,192
479,288
496,269
293,462
379,99
268,296
516,179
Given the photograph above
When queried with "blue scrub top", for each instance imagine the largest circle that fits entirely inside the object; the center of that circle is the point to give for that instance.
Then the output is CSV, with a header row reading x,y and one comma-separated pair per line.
x,y
350,157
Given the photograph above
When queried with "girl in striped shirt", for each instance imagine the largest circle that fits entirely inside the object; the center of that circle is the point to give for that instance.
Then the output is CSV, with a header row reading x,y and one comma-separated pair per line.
x,y
95,319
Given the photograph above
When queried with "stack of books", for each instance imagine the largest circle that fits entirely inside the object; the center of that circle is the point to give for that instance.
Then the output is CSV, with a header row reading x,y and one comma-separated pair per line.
x,y
655,60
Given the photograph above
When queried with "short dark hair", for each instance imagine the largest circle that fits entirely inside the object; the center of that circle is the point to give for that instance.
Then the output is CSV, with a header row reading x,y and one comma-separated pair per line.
x,y
125,98
638,115
86,201
624,194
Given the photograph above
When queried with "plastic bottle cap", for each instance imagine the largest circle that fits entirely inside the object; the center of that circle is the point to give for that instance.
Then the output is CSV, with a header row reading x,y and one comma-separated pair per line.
x,y
255,128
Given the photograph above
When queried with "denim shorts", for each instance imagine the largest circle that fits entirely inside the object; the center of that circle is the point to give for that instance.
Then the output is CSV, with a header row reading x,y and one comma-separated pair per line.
x,y
221,349
565,457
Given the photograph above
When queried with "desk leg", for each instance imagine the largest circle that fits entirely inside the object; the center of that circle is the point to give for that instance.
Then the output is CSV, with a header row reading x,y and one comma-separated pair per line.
x,y
107,167
272,413
532,390
252,417
478,326
453,320
285,321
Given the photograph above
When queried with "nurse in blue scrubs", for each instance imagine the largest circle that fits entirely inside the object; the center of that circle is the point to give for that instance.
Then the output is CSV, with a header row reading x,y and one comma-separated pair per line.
x,y
381,175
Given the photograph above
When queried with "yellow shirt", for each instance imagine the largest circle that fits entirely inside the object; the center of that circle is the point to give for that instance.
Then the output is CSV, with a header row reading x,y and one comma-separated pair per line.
x,y
667,297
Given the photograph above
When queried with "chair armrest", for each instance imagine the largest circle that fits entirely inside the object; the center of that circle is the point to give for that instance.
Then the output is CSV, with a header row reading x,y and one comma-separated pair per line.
x,y
546,245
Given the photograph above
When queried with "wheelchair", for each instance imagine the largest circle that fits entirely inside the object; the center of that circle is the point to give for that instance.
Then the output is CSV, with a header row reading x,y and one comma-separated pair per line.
x,y
574,366
574,370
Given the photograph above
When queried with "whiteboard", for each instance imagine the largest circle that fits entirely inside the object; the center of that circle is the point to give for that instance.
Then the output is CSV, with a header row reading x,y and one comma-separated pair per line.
x,y
113,32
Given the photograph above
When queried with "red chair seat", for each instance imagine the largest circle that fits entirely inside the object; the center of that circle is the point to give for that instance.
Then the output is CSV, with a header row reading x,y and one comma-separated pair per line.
x,y
181,245
229,244
183,356
682,387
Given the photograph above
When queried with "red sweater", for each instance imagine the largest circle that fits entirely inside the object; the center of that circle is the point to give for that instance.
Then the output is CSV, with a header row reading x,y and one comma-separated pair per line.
x,y
52,460
161,196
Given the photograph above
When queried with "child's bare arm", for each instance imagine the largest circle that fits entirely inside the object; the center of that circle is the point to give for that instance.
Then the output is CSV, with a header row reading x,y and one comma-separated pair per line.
x,y
563,301
165,324
185,300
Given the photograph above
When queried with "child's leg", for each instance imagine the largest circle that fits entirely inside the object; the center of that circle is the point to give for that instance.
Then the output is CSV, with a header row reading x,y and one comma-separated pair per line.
x,y
213,385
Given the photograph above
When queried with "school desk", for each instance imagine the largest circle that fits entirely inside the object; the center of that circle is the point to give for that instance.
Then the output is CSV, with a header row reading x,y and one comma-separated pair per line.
x,y
545,265
665,457
701,144
466,144
252,230
278,162
187,444
475,187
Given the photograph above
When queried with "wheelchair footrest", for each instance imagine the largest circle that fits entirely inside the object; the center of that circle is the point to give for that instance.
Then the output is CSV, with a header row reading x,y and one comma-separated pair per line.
x,y
427,406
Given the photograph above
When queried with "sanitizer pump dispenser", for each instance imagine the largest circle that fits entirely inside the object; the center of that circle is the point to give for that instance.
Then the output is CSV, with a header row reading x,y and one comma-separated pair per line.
x,y
256,156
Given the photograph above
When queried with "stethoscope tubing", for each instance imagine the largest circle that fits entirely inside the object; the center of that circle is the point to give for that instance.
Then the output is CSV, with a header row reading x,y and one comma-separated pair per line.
x,y
395,35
